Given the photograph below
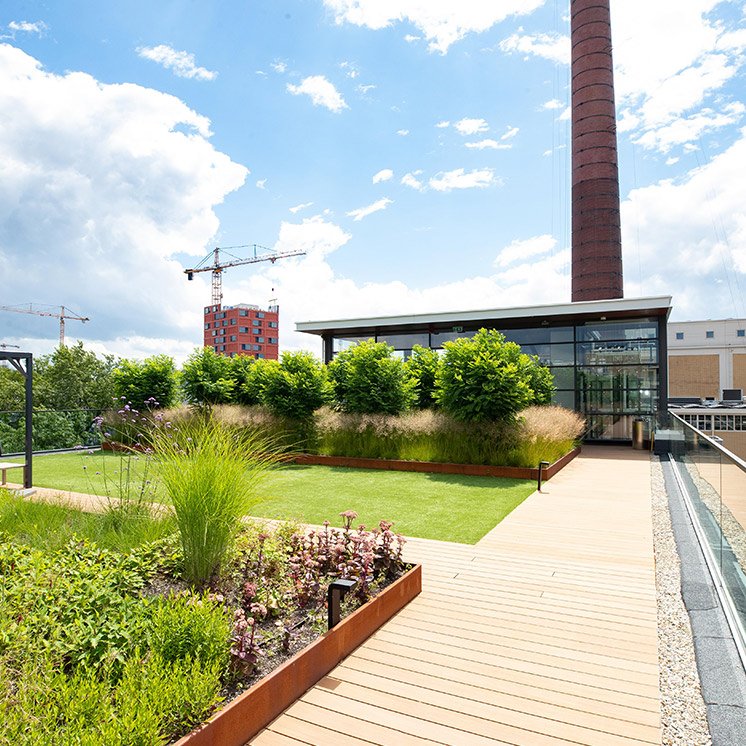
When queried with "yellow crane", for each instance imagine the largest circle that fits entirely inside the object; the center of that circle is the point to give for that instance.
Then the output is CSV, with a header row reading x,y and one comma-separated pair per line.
x,y
261,254
62,314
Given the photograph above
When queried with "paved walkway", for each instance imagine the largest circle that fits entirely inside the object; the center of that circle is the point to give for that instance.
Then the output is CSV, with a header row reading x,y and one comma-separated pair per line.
x,y
543,633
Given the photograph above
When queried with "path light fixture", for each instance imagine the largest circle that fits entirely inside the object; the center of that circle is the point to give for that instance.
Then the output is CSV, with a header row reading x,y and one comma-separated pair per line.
x,y
542,465
337,590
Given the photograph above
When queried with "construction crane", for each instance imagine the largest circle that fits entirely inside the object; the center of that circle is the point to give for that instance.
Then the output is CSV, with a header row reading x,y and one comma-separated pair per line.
x,y
261,254
64,313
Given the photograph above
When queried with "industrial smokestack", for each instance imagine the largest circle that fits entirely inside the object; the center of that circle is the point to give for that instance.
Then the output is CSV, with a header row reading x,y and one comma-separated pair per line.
x,y
596,231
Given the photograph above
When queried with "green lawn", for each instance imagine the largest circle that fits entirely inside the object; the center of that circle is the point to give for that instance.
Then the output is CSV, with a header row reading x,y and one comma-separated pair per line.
x,y
432,506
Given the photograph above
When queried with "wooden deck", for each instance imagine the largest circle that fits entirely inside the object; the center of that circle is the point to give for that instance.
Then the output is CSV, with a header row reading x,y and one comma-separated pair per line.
x,y
543,633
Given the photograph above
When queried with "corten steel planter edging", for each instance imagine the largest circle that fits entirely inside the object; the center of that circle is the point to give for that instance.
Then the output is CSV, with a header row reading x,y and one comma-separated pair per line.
x,y
433,467
240,720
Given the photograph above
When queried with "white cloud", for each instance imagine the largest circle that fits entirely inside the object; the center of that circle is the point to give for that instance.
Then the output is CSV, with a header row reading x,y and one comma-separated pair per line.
x,y
28,27
279,67
300,207
468,126
523,249
553,47
488,144
553,104
690,238
441,22
402,133
446,181
182,63
510,133
261,184
383,175
412,181
350,70
103,186
363,212
363,89
321,92
443,125
409,38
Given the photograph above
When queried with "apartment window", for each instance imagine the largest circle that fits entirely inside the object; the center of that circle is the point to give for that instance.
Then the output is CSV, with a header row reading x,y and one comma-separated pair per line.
x,y
679,335
243,312
221,340
245,347
272,340
233,337
225,323
259,339
259,355
741,332
273,325
256,323
233,322
214,332
259,315
255,347
243,329
215,348
222,348
219,316
710,335
207,326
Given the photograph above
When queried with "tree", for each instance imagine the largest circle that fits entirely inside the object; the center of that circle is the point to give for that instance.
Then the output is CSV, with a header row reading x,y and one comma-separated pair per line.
x,y
73,378
486,378
12,390
297,387
422,367
242,367
366,378
257,377
153,380
206,378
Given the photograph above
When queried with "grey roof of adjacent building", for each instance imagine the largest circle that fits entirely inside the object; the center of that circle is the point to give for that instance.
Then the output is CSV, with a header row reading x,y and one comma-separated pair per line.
x,y
655,306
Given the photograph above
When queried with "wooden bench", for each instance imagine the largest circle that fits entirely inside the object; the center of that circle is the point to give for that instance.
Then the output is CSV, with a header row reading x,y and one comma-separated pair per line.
x,y
4,466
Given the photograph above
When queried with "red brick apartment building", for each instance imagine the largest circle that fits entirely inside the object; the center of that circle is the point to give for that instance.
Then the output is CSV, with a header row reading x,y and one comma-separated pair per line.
x,y
243,330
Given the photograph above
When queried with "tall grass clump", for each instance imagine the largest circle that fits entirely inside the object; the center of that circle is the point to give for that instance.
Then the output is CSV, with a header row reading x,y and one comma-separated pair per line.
x,y
546,434
210,472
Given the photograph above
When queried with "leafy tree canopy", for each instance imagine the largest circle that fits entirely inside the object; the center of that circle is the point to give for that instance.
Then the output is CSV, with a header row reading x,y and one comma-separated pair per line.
x,y
366,378
152,381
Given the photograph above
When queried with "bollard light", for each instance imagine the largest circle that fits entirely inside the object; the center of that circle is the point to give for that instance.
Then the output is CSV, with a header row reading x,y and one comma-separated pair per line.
x,y
337,590
542,465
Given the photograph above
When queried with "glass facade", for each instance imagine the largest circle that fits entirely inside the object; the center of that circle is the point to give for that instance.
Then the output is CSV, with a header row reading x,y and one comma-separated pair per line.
x,y
609,371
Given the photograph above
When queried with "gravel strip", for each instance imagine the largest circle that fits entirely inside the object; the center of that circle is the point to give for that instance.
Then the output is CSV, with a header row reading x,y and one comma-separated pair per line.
x,y
683,712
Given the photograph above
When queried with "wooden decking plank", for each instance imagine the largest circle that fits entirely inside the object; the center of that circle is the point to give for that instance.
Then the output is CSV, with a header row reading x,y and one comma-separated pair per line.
x,y
270,738
501,655
493,688
365,686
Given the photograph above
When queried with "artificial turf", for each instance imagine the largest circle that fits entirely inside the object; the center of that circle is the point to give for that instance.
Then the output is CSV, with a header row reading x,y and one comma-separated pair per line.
x,y
432,506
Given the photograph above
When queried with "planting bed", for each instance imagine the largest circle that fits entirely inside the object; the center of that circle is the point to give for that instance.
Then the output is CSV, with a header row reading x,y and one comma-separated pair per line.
x,y
101,647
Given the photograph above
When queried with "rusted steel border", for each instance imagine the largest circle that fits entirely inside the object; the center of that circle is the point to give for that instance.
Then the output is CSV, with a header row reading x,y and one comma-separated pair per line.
x,y
240,720
431,467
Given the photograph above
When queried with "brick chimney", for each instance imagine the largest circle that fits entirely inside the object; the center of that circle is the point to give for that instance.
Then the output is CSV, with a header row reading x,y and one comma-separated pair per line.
x,y
596,232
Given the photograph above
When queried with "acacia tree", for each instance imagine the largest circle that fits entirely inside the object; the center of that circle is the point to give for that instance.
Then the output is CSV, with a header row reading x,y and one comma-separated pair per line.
x,y
367,379
486,378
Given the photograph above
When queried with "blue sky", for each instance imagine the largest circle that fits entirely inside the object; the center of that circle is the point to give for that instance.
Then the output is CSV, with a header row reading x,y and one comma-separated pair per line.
x,y
416,149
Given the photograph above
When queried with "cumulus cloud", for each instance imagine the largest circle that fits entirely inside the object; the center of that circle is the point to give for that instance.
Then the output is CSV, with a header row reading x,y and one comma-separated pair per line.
x,y
443,125
701,222
363,212
488,144
402,133
104,185
553,47
180,62
298,208
411,180
320,91
468,126
383,175
447,181
523,249
441,22
552,104
28,27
